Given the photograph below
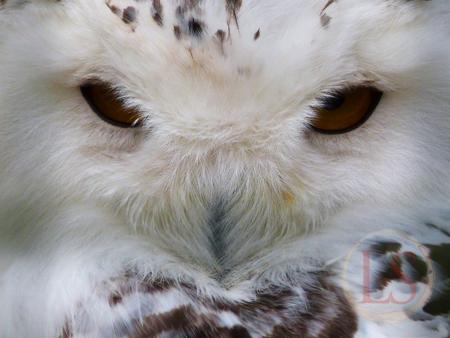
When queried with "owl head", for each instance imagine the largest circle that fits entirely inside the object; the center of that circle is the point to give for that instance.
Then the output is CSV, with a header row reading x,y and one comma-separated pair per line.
x,y
231,124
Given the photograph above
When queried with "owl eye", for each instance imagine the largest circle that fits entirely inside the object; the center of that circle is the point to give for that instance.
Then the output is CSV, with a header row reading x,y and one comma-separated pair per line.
x,y
345,110
105,102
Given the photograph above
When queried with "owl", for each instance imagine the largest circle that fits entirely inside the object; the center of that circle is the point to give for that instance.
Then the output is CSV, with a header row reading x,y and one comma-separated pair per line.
x,y
224,168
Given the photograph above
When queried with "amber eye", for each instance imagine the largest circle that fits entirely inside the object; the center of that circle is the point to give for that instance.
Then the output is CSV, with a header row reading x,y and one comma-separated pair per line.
x,y
345,110
109,107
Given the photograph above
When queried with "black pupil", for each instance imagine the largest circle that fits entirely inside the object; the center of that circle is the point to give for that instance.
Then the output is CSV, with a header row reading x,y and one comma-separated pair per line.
x,y
333,102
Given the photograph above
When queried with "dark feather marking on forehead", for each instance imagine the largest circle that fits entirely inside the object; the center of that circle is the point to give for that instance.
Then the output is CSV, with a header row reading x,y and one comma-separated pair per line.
x,y
189,21
220,36
117,11
195,27
157,12
129,15
177,32
257,35
327,5
233,7
325,20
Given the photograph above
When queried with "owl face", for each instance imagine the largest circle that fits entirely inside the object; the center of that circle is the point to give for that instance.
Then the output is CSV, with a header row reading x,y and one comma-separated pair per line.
x,y
224,155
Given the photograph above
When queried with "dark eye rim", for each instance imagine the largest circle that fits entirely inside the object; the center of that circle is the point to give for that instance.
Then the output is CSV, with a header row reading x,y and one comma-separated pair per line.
x,y
87,95
375,100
